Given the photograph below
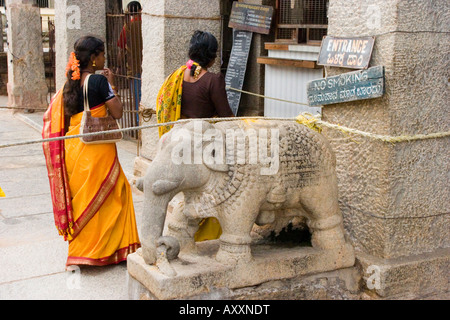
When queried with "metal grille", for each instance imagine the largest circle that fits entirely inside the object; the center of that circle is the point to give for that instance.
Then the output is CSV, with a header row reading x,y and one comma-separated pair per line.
x,y
48,44
124,45
301,21
49,55
42,3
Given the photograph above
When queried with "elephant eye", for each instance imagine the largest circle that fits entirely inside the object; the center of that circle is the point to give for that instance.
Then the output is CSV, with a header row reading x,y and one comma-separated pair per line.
x,y
213,153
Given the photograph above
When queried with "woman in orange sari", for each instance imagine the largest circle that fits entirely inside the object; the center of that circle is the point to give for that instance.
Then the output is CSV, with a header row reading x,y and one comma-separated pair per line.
x,y
92,199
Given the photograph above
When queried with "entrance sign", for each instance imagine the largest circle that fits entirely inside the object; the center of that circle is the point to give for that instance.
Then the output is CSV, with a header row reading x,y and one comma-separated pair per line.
x,y
237,66
250,17
351,86
352,53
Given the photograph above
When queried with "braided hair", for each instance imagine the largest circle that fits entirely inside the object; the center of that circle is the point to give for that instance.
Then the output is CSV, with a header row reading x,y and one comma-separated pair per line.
x,y
83,49
202,49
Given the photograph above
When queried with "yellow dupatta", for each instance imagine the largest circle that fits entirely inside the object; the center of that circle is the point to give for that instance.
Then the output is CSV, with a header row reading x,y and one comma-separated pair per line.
x,y
168,102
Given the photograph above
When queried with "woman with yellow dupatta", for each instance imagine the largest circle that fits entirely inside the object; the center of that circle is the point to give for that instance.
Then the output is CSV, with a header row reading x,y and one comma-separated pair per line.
x,y
195,94
92,199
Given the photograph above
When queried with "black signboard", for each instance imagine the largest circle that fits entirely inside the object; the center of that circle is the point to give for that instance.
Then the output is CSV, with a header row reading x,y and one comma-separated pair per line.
x,y
352,53
350,86
237,66
250,17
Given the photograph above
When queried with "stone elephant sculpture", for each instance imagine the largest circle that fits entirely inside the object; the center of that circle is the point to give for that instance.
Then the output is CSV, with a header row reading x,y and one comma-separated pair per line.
x,y
240,172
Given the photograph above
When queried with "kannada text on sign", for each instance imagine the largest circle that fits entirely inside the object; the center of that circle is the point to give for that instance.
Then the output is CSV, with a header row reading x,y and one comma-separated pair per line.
x,y
254,18
346,52
357,85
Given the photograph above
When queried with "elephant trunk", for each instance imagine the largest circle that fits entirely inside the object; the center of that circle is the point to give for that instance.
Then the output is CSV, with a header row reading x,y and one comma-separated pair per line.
x,y
155,208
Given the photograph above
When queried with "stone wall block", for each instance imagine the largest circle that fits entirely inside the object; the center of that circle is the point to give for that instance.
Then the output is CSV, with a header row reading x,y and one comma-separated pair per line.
x,y
27,88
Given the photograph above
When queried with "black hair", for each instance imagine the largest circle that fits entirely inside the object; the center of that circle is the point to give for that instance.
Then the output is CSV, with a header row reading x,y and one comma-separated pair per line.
x,y
83,49
134,7
202,49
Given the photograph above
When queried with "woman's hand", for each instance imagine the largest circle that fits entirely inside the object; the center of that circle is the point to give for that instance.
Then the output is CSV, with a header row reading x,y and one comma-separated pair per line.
x,y
109,76
114,105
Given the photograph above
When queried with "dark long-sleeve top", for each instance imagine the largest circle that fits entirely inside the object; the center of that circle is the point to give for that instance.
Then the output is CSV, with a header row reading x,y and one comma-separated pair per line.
x,y
205,98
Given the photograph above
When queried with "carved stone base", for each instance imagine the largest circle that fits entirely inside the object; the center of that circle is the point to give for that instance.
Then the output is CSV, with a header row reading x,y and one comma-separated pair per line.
x,y
200,273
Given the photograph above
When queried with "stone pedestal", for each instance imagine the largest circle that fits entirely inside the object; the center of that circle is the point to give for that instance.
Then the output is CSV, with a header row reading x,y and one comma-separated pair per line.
x,y
283,270
27,89
74,19
394,197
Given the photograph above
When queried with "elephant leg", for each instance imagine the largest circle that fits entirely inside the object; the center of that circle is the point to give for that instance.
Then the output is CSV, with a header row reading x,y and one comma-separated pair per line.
x,y
324,217
235,239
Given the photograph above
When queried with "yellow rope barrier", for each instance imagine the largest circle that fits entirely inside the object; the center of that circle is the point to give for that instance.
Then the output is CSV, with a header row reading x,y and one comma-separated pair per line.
x,y
385,138
305,119
313,123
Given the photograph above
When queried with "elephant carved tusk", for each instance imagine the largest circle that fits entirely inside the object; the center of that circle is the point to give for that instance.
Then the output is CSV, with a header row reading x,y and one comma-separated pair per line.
x,y
164,186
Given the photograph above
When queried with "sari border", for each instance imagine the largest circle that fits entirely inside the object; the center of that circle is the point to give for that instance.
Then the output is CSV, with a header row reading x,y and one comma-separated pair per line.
x,y
97,201
56,169
117,257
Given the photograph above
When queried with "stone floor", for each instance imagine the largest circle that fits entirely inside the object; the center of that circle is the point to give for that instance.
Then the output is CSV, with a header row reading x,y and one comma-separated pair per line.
x,y
32,254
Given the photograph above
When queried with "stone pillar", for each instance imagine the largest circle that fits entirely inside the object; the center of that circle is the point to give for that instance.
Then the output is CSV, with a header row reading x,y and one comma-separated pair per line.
x,y
395,197
27,89
166,48
74,19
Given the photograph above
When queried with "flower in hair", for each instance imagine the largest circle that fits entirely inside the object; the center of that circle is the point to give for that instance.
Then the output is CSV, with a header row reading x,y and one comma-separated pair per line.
x,y
74,65
198,68
189,64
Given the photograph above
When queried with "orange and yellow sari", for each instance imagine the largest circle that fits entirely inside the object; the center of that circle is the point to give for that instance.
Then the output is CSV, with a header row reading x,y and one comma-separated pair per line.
x,y
92,199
